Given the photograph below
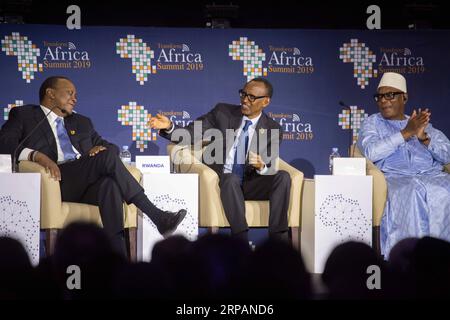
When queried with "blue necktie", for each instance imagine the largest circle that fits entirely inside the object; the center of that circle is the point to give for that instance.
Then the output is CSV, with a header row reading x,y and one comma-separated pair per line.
x,y
241,152
64,140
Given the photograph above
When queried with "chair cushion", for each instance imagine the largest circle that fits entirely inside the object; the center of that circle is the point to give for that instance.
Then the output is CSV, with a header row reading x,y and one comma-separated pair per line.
x,y
80,212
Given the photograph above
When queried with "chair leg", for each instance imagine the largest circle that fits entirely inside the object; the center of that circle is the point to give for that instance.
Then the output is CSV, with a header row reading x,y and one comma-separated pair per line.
x,y
213,230
295,235
51,235
132,244
376,245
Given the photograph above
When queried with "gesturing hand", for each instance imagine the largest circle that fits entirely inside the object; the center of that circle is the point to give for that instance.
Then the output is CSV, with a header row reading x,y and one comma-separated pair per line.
x,y
160,122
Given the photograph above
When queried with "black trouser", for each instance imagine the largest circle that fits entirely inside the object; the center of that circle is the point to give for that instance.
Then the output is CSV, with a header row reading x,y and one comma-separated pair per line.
x,y
100,180
275,188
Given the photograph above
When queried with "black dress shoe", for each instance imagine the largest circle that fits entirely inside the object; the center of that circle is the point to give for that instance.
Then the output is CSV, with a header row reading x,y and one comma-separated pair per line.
x,y
169,222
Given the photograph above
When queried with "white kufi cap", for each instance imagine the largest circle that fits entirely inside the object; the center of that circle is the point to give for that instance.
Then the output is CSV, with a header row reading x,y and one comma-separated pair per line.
x,y
394,80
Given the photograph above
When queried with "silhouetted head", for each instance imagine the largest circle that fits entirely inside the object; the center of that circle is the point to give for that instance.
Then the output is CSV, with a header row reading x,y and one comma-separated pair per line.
x,y
80,242
13,256
277,271
86,246
15,269
346,271
431,268
218,261
400,257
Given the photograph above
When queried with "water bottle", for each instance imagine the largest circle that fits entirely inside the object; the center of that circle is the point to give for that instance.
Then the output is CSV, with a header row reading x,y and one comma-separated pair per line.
x,y
125,155
334,154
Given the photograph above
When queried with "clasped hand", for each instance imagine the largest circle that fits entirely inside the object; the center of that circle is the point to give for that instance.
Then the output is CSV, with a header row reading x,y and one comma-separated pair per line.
x,y
416,124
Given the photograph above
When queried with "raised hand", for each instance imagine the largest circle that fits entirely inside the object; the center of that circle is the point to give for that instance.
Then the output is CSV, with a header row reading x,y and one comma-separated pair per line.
x,y
421,134
416,123
160,122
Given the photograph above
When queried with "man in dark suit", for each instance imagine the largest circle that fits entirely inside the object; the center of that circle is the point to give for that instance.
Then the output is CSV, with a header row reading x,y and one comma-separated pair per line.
x,y
245,168
88,167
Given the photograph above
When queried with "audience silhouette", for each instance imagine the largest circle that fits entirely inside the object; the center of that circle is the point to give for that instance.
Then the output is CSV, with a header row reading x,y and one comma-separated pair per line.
x,y
217,267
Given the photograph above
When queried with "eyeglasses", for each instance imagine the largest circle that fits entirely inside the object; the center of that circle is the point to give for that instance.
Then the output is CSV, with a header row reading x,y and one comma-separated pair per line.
x,y
250,97
387,96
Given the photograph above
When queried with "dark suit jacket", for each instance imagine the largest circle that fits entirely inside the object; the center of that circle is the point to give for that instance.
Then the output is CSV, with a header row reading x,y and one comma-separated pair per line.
x,y
25,118
227,116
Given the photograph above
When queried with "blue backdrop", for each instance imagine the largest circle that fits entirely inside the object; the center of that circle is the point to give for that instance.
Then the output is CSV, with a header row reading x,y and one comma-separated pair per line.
x,y
122,74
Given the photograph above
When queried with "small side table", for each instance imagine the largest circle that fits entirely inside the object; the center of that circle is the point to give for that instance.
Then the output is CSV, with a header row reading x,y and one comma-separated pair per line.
x,y
169,192
335,209
20,207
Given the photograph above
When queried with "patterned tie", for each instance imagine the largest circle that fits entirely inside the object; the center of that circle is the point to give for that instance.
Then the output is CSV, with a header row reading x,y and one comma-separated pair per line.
x,y
64,140
241,152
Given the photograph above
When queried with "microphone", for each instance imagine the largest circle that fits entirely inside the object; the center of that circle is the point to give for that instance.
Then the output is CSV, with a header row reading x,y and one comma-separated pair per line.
x,y
344,104
352,148
14,164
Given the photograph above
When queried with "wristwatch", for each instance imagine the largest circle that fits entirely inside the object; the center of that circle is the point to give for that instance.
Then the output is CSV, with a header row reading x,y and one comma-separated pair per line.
x,y
426,138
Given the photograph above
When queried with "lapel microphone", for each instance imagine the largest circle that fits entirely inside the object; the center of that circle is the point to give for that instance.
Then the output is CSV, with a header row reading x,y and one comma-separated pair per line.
x,y
15,165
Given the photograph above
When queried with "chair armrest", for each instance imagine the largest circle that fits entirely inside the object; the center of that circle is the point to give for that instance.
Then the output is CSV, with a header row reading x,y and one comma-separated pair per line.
x,y
379,193
130,210
51,203
187,162
379,186
296,175
135,172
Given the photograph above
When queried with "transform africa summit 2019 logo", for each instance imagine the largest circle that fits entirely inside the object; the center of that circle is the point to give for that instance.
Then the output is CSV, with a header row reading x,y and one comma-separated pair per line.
x,y
168,56
281,59
364,60
55,55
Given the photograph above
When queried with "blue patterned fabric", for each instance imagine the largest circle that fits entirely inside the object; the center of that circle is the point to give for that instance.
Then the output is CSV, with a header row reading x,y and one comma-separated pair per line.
x,y
418,200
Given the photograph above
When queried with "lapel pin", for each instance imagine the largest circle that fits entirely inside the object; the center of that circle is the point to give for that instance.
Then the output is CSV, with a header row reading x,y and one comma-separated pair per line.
x,y
262,131
72,132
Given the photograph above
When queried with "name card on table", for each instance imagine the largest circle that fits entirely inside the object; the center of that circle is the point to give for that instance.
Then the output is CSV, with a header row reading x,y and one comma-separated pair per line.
x,y
349,167
153,164
5,163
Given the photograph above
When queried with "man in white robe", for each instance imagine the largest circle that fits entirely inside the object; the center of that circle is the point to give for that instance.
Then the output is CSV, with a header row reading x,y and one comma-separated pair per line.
x,y
411,154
